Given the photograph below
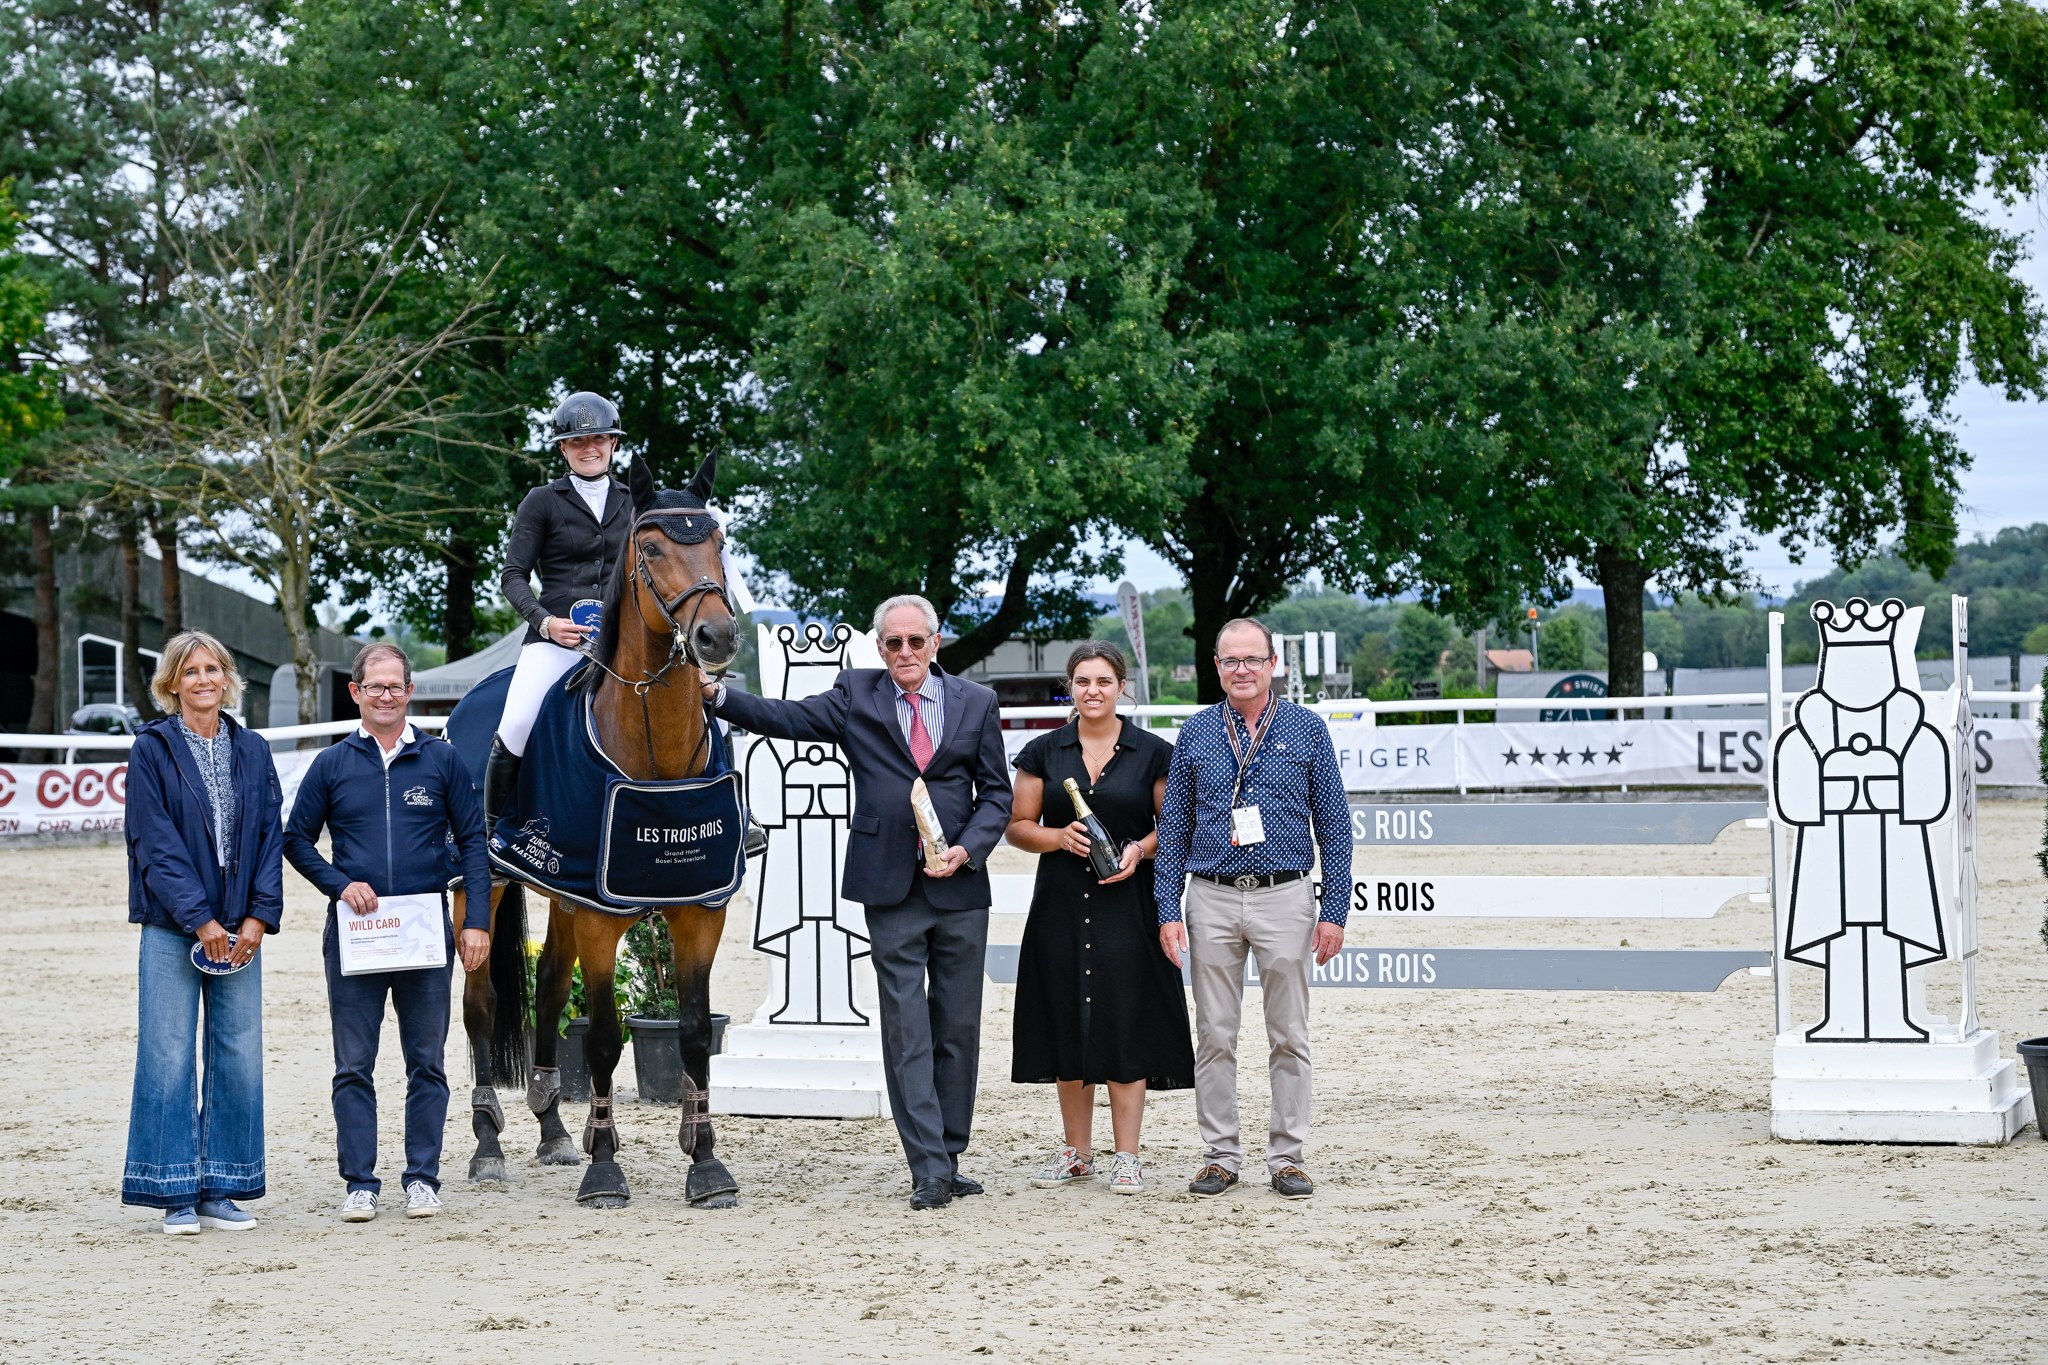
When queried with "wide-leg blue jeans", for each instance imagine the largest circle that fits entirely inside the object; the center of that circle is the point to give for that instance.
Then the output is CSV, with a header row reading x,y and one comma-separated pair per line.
x,y
195,1123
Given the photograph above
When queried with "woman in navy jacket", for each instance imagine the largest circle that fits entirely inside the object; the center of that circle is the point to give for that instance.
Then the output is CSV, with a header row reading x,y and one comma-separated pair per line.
x,y
205,866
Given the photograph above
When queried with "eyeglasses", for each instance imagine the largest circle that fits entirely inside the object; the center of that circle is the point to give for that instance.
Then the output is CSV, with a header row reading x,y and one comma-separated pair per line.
x,y
895,643
1250,663
382,690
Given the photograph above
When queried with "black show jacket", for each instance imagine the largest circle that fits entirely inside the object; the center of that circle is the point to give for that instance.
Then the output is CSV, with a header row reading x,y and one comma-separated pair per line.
x,y
554,535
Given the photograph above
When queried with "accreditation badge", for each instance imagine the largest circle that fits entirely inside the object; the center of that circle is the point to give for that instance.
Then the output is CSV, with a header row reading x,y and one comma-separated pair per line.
x,y
1246,826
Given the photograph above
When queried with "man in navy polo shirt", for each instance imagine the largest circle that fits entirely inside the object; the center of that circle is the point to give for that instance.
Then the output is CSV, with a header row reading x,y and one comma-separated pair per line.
x,y
1251,797
391,797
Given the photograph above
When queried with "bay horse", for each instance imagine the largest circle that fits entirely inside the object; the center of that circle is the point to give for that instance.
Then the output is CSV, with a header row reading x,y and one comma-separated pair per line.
x,y
667,620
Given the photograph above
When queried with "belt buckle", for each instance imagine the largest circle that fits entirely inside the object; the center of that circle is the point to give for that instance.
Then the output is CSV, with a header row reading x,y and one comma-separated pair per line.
x,y
1245,882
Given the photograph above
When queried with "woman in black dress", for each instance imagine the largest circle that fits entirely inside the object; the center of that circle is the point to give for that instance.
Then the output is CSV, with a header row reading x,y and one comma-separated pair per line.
x,y
1097,1001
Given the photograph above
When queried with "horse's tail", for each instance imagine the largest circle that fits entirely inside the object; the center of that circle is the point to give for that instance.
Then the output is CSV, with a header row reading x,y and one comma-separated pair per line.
x,y
508,983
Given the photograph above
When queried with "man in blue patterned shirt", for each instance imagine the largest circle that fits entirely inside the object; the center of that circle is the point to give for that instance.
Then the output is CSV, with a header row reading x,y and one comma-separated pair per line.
x,y
1253,793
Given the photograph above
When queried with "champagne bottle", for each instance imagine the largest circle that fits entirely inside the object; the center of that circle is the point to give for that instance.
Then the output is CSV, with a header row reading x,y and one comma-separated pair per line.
x,y
1102,854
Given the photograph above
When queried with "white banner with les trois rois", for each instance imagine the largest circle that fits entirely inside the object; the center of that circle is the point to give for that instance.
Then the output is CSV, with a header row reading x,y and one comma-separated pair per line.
x,y
1563,755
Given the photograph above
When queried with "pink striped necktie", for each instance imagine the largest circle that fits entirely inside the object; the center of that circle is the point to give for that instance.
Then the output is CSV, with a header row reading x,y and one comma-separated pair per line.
x,y
920,738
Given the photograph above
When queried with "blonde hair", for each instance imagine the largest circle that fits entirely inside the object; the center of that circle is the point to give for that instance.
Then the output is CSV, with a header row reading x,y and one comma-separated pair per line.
x,y
170,670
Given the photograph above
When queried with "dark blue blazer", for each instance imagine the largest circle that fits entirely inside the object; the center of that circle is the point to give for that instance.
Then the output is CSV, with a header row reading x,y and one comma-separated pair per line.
x,y
175,880
969,779
391,825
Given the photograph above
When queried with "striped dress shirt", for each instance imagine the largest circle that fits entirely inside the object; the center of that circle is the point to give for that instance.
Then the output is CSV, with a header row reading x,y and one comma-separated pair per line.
x,y
931,703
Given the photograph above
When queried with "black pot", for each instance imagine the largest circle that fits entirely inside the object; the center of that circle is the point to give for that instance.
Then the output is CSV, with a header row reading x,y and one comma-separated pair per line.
x,y
575,1065
658,1059
2034,1055
718,1023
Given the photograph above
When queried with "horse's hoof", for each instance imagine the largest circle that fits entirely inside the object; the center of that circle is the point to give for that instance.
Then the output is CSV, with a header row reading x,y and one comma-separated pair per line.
x,y
487,1172
558,1151
604,1186
711,1186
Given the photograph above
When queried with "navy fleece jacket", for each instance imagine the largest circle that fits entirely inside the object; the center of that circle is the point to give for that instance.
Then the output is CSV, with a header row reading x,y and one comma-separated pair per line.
x,y
391,825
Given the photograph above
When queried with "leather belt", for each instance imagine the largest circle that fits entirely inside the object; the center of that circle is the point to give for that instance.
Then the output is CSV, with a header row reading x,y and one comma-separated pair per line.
x,y
1250,881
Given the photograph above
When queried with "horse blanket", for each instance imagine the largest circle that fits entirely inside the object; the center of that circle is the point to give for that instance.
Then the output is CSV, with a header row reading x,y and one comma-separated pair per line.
x,y
580,829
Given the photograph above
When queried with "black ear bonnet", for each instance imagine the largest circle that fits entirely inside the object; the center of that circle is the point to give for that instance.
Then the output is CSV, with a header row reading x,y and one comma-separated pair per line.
x,y
679,514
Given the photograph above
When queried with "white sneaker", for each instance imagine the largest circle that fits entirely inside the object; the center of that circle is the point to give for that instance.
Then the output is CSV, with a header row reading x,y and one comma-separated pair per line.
x,y
359,1207
420,1200
1063,1167
1126,1175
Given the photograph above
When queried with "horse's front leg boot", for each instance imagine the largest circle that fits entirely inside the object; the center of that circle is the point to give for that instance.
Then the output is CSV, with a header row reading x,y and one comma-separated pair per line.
x,y
543,1088
484,1101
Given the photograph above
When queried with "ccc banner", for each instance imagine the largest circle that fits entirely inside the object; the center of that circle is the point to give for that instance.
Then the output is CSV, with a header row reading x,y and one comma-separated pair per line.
x,y
39,799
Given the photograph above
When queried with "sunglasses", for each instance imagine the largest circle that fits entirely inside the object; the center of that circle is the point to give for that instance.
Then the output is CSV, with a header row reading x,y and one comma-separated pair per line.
x,y
895,643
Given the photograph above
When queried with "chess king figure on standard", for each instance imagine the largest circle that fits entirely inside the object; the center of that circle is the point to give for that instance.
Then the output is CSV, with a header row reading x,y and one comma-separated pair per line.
x,y
1863,774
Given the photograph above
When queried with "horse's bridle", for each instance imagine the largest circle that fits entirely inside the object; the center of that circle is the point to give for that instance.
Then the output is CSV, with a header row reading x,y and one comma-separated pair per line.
x,y
680,649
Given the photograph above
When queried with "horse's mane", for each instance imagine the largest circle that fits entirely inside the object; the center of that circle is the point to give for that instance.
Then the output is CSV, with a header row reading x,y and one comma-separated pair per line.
x,y
607,646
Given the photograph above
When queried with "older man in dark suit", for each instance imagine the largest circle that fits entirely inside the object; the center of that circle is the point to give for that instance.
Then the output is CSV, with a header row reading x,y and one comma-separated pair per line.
x,y
928,930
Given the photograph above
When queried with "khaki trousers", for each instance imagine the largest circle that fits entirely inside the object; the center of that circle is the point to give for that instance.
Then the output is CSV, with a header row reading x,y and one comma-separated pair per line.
x,y
1277,924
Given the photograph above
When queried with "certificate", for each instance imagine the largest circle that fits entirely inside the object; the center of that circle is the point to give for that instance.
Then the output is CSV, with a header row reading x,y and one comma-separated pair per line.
x,y
404,933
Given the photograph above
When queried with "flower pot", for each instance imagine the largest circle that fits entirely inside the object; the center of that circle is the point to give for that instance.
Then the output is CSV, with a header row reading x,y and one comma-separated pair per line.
x,y
2034,1055
658,1059
718,1023
575,1066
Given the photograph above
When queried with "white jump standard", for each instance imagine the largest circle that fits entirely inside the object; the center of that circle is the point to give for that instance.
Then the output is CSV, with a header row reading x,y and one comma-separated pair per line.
x,y
1860,780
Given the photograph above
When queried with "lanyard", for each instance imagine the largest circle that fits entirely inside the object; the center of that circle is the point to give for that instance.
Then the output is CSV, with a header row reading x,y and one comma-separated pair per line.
x,y
1245,757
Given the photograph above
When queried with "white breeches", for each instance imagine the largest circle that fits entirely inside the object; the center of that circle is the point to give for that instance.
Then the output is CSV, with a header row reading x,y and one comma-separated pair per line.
x,y
541,664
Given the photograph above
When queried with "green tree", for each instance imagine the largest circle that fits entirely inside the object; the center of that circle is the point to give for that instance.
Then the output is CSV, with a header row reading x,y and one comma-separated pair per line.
x,y
967,372
1740,271
28,389
290,381
1420,638
1372,662
29,409
1314,137
1564,643
111,120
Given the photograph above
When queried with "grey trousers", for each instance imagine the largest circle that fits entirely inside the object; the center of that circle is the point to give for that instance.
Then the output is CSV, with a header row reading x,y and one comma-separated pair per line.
x,y
928,973
1277,924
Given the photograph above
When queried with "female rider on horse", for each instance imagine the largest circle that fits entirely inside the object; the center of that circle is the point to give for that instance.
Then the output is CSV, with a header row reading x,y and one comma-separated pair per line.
x,y
572,532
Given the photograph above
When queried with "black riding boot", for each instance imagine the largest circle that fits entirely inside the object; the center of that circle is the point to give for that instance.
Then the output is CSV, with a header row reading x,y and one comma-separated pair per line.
x,y
501,780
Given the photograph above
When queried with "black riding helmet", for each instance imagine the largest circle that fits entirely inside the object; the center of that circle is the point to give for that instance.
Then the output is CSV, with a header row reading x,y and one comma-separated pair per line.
x,y
583,414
